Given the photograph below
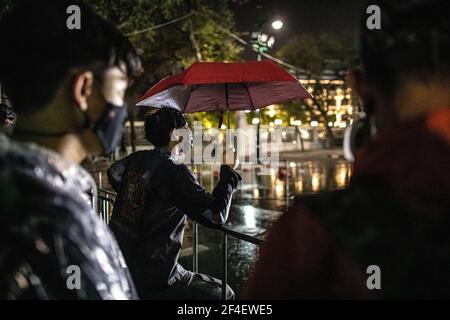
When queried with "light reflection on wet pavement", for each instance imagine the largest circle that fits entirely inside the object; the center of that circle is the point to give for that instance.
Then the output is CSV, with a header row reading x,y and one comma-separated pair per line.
x,y
259,202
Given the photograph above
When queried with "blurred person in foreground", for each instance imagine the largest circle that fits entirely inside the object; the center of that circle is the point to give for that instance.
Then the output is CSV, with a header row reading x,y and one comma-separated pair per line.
x,y
395,214
68,88
156,194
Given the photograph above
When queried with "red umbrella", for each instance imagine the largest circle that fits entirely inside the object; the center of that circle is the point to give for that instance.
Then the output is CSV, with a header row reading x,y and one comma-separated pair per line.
x,y
211,86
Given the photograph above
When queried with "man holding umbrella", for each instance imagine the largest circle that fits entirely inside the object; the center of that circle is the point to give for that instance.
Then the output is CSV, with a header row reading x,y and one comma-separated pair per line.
x,y
155,195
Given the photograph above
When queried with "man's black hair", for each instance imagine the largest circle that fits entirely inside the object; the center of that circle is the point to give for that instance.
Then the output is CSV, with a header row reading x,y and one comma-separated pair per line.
x,y
414,39
159,125
39,51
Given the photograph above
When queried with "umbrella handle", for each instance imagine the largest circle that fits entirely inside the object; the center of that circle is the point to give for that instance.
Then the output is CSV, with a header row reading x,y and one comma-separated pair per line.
x,y
220,113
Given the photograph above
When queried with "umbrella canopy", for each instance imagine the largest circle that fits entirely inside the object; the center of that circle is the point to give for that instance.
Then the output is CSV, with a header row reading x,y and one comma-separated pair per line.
x,y
210,86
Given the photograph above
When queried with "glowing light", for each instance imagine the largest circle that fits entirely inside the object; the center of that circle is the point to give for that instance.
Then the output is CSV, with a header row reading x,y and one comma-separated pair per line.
x,y
277,24
255,120
296,123
315,181
279,189
292,164
299,186
223,127
341,177
271,113
264,37
330,124
314,124
278,122
304,134
343,125
249,217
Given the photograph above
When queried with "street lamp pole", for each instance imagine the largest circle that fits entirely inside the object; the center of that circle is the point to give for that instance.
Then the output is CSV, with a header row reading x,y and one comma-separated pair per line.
x,y
258,126
263,42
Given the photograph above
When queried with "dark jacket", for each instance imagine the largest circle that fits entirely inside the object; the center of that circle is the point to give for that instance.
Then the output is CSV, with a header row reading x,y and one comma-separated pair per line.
x,y
395,214
49,232
155,194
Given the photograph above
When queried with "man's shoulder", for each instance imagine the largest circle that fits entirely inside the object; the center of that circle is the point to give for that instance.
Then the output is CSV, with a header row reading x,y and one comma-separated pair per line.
x,y
63,241
45,220
21,162
57,231
29,164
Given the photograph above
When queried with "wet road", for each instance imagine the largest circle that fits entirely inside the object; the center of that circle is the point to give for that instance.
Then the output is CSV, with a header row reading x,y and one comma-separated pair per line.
x,y
259,202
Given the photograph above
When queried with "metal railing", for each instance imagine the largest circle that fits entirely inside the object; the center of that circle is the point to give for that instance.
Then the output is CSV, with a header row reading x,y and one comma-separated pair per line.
x,y
253,167
105,202
225,232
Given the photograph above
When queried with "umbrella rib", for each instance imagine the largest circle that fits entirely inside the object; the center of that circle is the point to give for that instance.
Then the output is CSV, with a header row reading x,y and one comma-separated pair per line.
x,y
249,96
189,98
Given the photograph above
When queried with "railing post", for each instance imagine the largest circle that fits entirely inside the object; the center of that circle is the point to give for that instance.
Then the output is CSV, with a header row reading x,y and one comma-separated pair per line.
x,y
286,188
224,265
195,246
100,179
100,209
108,210
253,173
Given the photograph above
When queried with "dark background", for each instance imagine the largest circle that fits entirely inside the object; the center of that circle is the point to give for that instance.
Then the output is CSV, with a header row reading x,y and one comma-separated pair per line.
x,y
299,16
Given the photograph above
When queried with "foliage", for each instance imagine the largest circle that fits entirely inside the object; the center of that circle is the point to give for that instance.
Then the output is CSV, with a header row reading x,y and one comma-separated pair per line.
x,y
170,49
319,52
5,5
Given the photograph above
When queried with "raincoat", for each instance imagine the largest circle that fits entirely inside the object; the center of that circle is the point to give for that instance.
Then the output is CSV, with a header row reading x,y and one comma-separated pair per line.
x,y
52,243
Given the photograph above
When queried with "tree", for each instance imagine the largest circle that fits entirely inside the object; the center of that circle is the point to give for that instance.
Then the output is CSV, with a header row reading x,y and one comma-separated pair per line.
x,y
5,5
172,48
168,50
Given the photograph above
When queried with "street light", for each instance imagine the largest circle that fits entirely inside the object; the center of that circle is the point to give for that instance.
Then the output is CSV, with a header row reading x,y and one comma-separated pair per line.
x,y
278,122
262,42
277,24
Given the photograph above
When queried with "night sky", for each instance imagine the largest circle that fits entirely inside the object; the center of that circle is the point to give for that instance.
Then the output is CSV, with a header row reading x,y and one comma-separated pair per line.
x,y
300,16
